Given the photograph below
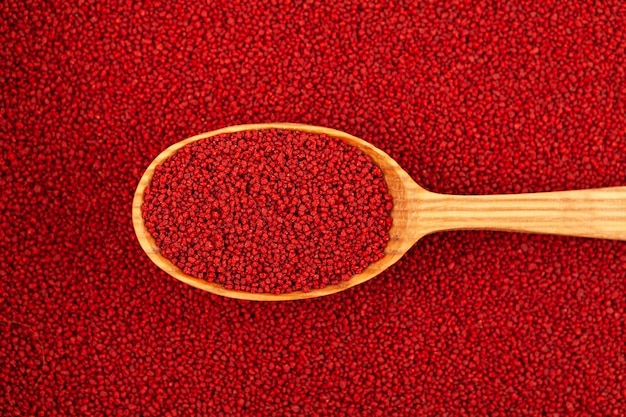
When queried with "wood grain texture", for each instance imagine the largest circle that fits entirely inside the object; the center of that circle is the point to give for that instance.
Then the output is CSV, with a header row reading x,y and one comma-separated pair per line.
x,y
598,213
594,213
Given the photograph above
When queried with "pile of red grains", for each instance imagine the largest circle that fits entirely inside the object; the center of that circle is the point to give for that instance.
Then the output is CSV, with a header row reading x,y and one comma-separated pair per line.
x,y
469,96
270,211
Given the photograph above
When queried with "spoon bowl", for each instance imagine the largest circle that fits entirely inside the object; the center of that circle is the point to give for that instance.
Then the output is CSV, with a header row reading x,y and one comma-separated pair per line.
x,y
416,212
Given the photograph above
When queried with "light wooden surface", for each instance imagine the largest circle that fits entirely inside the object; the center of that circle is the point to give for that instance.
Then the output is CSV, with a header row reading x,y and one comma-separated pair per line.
x,y
597,213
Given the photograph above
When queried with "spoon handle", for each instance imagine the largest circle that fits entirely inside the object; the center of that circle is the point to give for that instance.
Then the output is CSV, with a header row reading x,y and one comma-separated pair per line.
x,y
597,213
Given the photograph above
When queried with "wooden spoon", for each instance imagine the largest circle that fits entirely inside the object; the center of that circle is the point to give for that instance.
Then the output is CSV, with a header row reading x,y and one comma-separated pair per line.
x,y
595,213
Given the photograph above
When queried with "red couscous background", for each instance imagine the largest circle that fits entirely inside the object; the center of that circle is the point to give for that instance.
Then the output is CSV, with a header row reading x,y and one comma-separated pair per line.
x,y
470,97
